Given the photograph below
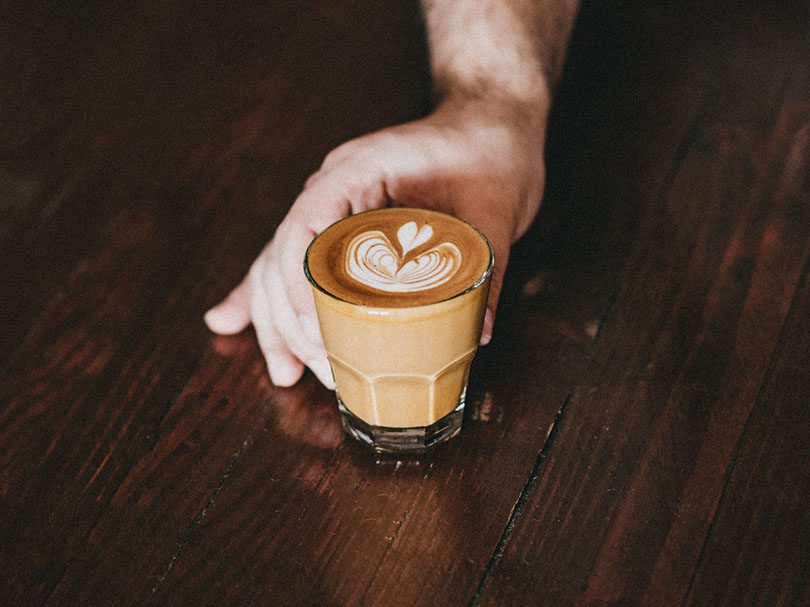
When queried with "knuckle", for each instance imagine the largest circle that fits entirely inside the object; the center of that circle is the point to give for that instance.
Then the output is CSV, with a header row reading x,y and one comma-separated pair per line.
x,y
273,347
359,179
350,148
313,178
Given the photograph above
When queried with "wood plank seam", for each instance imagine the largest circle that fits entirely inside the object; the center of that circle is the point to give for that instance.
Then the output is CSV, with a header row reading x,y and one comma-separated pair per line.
x,y
154,435
384,556
153,443
229,467
528,490
646,225
777,351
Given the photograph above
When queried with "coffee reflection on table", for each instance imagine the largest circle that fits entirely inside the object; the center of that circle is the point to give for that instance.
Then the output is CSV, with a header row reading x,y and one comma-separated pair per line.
x,y
305,413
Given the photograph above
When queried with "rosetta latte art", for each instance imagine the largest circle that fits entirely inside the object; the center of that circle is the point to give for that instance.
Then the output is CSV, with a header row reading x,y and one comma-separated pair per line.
x,y
371,260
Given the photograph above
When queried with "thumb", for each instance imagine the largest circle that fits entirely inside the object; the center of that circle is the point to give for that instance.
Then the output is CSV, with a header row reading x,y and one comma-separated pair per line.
x,y
233,313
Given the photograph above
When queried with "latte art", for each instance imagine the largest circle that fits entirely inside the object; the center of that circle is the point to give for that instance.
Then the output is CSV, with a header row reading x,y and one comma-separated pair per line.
x,y
398,258
372,260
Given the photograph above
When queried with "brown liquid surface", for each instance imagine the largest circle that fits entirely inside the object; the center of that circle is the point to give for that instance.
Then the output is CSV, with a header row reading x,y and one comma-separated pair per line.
x,y
369,259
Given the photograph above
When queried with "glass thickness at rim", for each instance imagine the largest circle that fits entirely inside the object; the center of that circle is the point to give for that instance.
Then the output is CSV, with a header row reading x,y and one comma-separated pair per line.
x,y
480,281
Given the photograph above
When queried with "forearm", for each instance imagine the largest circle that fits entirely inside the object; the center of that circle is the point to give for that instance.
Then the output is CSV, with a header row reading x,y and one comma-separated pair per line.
x,y
512,49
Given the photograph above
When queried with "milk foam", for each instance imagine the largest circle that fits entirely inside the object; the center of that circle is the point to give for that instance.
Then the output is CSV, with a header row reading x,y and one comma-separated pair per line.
x,y
372,260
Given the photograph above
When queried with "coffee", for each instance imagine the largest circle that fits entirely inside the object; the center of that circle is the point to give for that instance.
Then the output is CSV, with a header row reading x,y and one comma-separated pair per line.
x,y
400,295
398,258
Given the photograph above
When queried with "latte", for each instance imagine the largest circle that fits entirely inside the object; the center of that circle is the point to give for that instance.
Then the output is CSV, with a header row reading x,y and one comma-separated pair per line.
x,y
400,296
398,258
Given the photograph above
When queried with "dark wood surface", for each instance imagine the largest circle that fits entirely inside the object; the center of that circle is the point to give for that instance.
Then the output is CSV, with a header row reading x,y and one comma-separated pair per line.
x,y
637,432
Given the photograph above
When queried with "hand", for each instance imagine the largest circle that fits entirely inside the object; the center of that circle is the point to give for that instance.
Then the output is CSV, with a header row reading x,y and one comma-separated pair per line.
x,y
480,160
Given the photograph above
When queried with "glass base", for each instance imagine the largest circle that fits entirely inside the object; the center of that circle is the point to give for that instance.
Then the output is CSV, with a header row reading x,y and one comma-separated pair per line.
x,y
403,440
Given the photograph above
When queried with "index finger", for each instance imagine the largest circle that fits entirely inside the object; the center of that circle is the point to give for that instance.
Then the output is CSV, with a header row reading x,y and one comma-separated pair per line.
x,y
329,197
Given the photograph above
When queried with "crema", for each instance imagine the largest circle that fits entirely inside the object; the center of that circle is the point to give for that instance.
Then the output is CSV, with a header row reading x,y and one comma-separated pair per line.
x,y
398,258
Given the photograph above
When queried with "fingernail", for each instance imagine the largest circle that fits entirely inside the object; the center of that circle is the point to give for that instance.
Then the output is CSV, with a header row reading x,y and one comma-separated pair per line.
x,y
486,333
323,370
326,378
213,320
220,321
311,329
279,375
273,374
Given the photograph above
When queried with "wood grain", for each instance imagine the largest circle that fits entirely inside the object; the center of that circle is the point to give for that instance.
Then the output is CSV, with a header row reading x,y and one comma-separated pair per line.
x,y
104,361
756,551
634,434
626,497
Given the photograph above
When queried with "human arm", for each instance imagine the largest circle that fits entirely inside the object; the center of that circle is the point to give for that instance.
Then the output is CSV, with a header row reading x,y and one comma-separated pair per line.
x,y
478,155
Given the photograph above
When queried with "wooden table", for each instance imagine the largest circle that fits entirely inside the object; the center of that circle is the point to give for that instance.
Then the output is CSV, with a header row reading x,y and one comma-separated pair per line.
x,y
637,433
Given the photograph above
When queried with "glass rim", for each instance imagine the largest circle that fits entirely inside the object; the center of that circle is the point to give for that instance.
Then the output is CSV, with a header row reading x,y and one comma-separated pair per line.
x,y
478,282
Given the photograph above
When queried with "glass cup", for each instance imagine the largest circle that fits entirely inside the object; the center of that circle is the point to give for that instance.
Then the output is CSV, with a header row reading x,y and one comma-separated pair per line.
x,y
401,372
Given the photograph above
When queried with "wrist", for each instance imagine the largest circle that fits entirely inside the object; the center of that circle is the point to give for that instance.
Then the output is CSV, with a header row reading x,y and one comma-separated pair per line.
x,y
529,83
523,118
492,102
507,136
532,100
